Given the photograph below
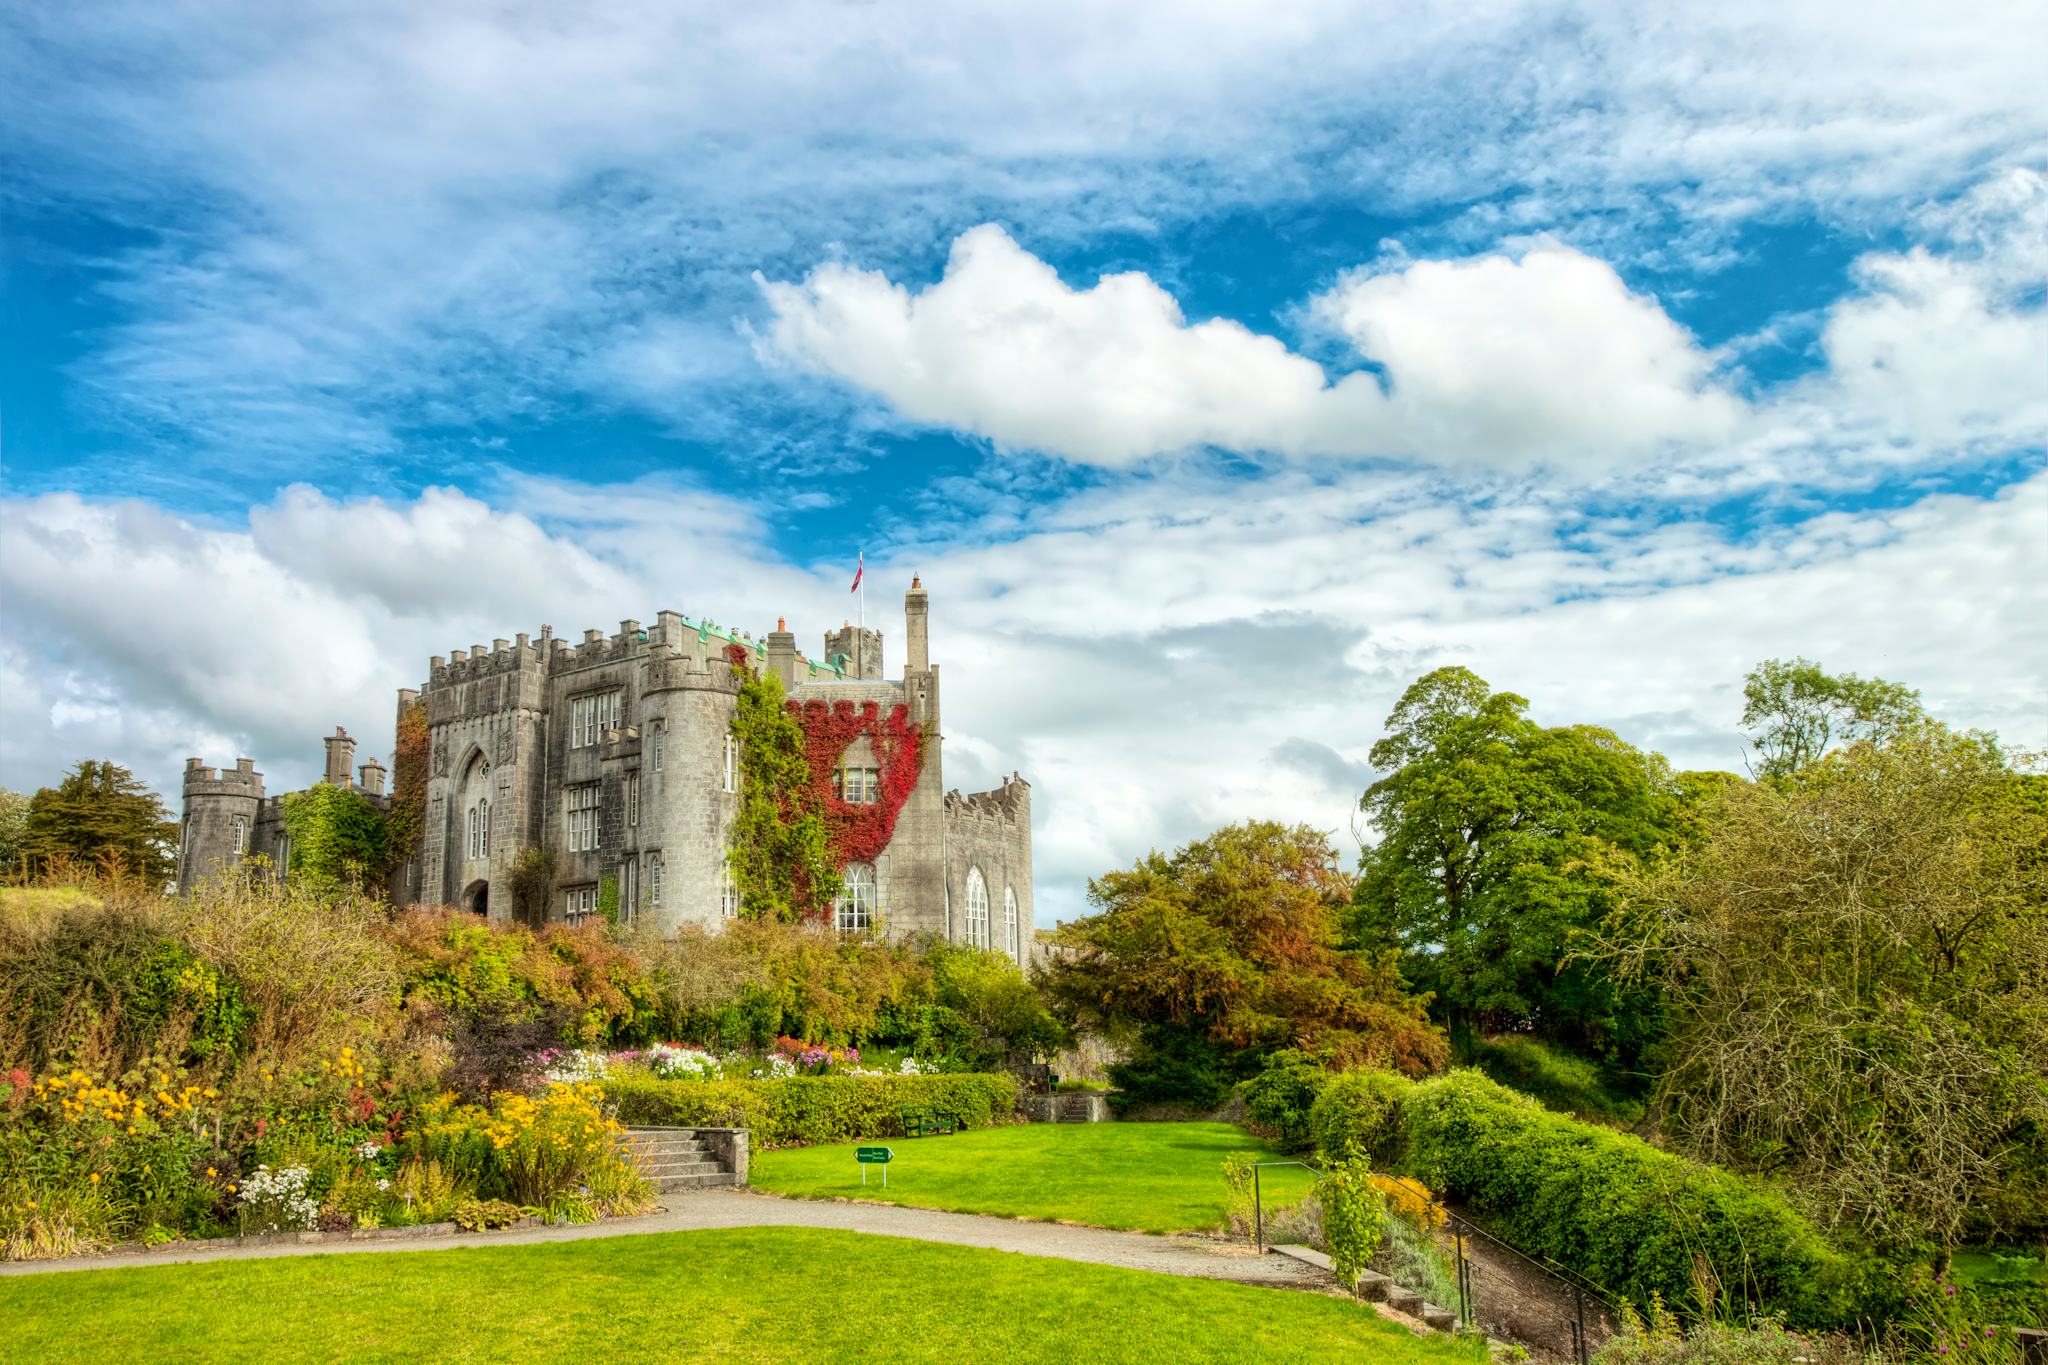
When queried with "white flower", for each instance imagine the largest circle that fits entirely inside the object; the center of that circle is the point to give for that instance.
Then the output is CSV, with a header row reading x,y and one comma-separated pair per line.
x,y
675,1062
567,1068
279,1198
369,1151
383,1184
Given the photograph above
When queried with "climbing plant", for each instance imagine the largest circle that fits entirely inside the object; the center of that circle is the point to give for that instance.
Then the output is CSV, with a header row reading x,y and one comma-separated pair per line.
x,y
1354,1217
780,853
408,783
337,837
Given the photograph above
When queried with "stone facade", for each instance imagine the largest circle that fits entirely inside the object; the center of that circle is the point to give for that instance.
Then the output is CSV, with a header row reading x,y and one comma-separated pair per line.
x,y
614,755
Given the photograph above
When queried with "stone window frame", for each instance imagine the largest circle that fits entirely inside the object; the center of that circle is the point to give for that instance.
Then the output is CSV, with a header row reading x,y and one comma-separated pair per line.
x,y
728,893
579,903
1010,941
654,879
660,738
732,762
977,908
632,798
858,905
593,713
241,837
580,809
857,786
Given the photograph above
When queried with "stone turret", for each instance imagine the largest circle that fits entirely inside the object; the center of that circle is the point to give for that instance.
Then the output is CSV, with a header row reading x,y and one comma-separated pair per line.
x,y
221,810
860,649
917,613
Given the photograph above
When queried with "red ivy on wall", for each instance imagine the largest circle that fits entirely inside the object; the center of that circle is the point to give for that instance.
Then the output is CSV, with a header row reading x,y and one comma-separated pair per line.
x,y
859,831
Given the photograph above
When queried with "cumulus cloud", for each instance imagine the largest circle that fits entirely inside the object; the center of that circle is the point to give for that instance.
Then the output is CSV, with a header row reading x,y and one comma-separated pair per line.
x,y
1492,362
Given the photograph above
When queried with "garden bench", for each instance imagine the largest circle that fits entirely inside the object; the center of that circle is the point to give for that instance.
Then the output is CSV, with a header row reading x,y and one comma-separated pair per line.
x,y
919,1121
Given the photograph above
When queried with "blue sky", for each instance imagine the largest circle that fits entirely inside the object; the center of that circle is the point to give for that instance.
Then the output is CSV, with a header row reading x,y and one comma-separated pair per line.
x,y
1219,372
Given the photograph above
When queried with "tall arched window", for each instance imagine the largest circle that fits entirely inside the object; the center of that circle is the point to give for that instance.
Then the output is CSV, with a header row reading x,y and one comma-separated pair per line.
x,y
483,829
241,836
654,881
977,908
472,833
854,911
1010,944
728,893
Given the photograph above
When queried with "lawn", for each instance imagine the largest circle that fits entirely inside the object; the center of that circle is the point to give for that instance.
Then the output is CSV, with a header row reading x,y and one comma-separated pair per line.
x,y
747,1294
1154,1177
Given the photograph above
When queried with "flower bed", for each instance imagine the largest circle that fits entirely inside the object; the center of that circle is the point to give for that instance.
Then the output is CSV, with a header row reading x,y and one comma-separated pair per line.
x,y
802,1110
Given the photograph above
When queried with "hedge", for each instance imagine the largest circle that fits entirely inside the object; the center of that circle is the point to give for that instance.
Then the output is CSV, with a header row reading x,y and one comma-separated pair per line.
x,y
798,1111
1628,1217
1358,1114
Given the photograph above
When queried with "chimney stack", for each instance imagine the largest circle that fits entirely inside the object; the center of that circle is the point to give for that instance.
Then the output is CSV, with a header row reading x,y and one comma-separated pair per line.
x,y
341,756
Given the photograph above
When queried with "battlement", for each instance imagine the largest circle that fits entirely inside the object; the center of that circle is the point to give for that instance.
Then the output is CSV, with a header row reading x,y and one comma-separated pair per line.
x,y
240,780
703,642
1008,803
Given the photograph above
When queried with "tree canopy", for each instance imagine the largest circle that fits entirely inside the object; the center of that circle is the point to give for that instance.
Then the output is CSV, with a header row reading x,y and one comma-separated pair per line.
x,y
1856,975
1794,710
1498,841
1228,949
101,814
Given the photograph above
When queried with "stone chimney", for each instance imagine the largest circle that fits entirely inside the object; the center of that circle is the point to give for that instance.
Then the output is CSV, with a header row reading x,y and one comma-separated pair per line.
x,y
341,756
781,644
372,778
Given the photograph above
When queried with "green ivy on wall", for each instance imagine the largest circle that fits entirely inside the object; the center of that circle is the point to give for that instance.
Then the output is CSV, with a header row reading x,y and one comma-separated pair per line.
x,y
337,836
780,855
608,900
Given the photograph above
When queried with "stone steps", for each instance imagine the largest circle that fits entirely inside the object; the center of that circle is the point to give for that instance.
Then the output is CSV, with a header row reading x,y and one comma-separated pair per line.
x,y
676,1161
1374,1287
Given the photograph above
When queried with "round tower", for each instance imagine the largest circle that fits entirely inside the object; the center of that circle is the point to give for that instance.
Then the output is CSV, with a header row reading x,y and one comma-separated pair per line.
x,y
220,818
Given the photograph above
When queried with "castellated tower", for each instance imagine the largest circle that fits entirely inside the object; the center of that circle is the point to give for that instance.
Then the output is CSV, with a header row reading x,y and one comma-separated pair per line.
x,y
560,775
222,810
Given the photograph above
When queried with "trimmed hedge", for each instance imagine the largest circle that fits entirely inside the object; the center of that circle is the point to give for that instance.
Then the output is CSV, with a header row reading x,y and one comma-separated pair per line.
x,y
799,1111
1618,1211
1358,1114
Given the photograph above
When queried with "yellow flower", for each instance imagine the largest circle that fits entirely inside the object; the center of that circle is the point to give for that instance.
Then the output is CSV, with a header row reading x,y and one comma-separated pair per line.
x,y
94,1177
211,1173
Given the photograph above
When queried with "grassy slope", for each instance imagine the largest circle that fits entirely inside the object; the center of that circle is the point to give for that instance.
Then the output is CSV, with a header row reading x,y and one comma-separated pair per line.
x,y
754,1294
1155,1177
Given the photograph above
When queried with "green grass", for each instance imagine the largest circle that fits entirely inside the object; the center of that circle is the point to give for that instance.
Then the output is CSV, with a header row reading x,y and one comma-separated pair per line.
x,y
741,1295
1154,1177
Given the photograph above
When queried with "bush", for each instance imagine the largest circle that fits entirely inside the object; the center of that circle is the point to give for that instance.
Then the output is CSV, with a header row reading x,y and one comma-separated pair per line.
x,y
804,1110
1169,1066
1556,1079
1354,1218
1358,1114
1615,1209
1278,1099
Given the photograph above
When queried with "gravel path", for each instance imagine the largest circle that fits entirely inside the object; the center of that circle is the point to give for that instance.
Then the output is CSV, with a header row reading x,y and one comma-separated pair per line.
x,y
1194,1256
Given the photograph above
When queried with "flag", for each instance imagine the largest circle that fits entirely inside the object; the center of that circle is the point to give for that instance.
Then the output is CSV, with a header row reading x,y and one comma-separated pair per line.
x,y
859,568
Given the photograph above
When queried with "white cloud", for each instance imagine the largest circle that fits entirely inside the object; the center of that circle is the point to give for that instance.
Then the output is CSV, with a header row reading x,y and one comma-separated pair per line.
x,y
1493,362
1153,675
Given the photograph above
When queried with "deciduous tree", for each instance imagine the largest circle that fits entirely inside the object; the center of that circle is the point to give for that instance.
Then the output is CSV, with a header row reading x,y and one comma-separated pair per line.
x,y
1795,710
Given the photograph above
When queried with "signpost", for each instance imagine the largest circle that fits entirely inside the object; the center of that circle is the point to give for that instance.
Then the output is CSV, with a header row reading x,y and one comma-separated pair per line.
x,y
874,1156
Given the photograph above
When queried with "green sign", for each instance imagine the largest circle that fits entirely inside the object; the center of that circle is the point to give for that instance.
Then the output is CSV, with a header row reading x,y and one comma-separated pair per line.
x,y
873,1156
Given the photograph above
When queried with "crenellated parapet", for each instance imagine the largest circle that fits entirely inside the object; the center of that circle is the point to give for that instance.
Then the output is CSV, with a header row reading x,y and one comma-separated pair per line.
x,y
1009,803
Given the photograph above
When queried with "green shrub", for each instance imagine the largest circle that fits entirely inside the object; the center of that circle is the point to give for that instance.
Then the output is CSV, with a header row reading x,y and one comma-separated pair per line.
x,y
1358,1114
1554,1078
1615,1209
1278,1099
801,1111
1170,1066
1354,1218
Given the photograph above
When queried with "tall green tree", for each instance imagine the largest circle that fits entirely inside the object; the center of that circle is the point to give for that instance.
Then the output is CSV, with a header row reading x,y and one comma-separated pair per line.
x,y
1219,953
1856,971
13,832
1499,841
100,814
1795,711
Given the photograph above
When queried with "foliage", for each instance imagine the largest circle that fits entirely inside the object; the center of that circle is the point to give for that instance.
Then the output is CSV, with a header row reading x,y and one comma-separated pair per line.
x,y
811,1109
1629,1218
728,1295
2012,1287
102,815
574,978
1499,841
1555,1078
532,1150
858,831
1857,968
1170,1066
533,885
983,1013
337,837
1357,1116
1663,1340
1226,950
1238,1173
1354,1218
608,900
1277,1100
779,847
409,755
1795,710
13,833
1942,1322
482,1215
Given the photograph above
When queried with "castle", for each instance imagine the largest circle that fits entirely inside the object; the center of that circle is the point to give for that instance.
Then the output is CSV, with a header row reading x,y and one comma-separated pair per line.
x,y
617,756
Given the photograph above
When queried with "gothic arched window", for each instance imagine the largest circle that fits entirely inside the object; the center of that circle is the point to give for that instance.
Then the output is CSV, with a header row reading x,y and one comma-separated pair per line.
x,y
977,908
1010,943
854,911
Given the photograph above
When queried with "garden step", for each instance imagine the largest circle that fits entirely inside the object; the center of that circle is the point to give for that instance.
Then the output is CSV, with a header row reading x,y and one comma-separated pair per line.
x,y
647,1150
664,1169
1374,1286
1442,1319
669,1184
1405,1301
1371,1285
